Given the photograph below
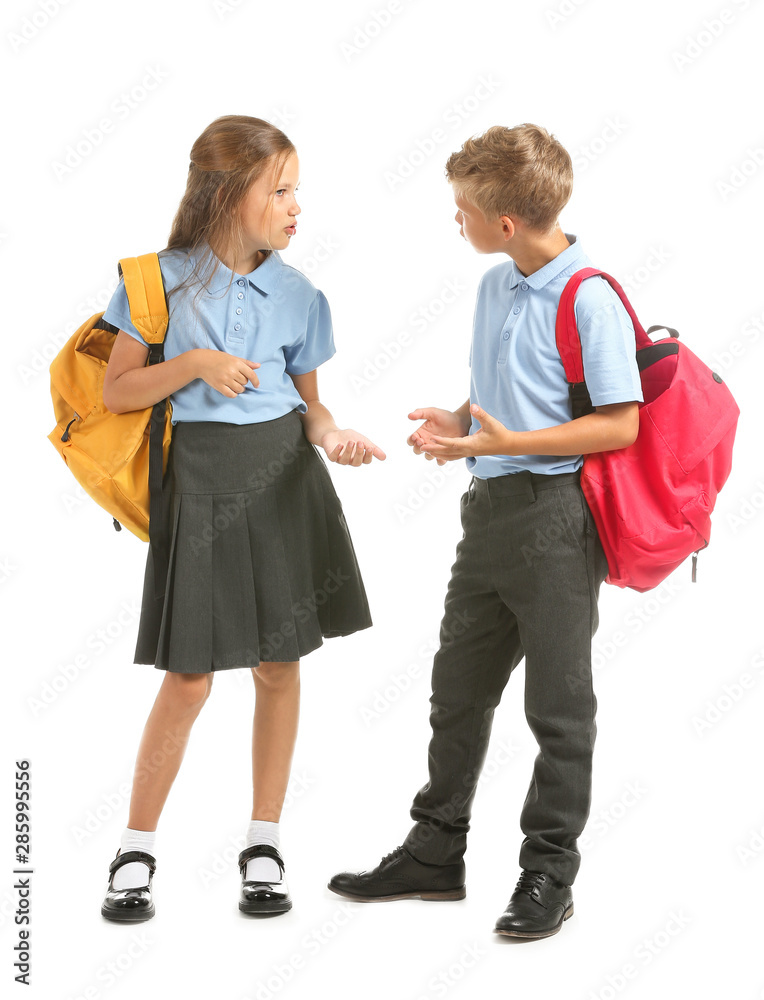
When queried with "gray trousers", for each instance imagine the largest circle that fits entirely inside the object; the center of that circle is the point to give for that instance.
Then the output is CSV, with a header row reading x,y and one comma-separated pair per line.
x,y
525,583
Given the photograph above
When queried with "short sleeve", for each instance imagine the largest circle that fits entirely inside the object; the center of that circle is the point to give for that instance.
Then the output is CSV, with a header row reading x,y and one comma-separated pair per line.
x,y
118,313
608,349
317,343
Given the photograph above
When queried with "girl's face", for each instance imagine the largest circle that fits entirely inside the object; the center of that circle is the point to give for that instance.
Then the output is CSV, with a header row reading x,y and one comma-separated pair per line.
x,y
266,228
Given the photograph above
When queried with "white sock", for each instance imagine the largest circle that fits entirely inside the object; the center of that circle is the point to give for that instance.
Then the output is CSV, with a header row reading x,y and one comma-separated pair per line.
x,y
263,869
134,874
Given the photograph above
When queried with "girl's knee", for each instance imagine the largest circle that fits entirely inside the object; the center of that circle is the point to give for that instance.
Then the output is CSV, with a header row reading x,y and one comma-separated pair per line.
x,y
189,691
277,674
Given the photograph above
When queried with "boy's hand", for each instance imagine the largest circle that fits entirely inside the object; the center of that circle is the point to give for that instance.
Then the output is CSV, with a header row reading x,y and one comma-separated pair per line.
x,y
348,447
493,438
436,421
225,372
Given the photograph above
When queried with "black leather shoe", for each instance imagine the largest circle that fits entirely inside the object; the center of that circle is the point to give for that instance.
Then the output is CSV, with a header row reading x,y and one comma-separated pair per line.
x,y
400,876
129,904
263,897
537,907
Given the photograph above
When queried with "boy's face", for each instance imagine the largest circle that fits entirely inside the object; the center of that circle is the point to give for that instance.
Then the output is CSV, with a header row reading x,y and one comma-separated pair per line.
x,y
485,237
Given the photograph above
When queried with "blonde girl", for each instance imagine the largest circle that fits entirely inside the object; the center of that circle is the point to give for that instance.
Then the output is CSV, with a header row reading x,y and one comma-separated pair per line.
x,y
260,566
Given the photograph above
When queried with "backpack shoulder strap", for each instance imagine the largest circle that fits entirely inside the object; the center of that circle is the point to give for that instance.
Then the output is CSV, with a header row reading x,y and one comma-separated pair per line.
x,y
145,293
566,331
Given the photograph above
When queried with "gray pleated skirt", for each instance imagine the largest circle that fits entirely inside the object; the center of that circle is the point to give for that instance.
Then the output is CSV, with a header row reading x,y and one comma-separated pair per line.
x,y
260,565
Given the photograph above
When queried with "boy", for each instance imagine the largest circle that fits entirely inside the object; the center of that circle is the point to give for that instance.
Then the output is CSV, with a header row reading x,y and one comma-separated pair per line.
x,y
529,565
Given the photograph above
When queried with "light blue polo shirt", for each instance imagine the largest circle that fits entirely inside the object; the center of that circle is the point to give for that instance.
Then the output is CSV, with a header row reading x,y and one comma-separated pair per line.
x,y
274,315
517,375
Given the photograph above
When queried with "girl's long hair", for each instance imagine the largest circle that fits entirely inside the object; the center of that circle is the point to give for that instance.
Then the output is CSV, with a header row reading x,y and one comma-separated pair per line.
x,y
231,153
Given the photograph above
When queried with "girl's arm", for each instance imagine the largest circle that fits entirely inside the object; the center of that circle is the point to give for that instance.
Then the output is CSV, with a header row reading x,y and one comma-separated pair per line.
x,y
129,384
347,447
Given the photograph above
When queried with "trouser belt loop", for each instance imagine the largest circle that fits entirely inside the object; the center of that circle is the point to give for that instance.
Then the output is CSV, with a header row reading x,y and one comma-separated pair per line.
x,y
530,492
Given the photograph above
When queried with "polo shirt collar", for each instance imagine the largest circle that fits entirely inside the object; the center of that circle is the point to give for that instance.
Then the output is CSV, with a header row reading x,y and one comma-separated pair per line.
x,y
265,277
551,270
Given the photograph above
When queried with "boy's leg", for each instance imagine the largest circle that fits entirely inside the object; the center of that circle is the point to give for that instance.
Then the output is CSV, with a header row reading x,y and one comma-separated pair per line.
x,y
555,598
479,648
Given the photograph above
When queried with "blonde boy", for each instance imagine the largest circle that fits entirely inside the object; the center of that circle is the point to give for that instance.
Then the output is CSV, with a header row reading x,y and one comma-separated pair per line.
x,y
529,565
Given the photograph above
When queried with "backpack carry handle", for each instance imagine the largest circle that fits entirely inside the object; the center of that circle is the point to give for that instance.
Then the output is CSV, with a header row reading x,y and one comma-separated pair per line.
x,y
669,329
566,331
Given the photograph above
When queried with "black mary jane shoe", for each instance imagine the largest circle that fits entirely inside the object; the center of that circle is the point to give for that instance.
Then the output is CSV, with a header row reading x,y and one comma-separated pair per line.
x,y
263,897
129,905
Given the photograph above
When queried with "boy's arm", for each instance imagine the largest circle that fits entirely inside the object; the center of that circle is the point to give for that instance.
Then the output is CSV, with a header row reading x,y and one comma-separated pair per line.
x,y
609,427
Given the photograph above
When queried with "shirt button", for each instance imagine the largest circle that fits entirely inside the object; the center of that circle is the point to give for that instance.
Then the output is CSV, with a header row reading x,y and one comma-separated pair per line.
x,y
516,310
238,326
506,336
524,287
240,295
240,281
238,312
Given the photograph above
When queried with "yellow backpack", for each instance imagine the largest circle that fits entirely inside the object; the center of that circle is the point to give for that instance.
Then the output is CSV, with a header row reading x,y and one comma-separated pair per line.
x,y
115,456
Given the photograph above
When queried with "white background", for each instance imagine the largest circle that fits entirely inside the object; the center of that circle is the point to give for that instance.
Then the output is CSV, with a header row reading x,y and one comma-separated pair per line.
x,y
658,104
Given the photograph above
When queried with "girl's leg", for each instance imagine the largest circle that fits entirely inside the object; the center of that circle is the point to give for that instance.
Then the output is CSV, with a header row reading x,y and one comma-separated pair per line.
x,y
164,741
274,732
160,753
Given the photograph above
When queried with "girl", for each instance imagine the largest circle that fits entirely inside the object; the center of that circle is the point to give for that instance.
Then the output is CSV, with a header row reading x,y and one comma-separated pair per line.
x,y
260,564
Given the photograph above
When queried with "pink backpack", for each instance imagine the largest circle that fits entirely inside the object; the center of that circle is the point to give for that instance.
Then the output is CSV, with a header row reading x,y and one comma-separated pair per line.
x,y
652,501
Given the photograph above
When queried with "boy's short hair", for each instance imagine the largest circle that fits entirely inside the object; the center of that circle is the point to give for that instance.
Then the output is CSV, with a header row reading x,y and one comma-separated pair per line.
x,y
522,171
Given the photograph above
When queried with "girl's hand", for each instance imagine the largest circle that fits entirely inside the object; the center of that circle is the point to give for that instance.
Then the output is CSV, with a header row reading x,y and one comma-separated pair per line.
x,y
348,447
225,372
442,422
492,438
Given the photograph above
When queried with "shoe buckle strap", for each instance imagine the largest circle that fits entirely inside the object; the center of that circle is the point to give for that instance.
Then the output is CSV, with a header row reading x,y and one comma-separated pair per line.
x,y
124,859
260,850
